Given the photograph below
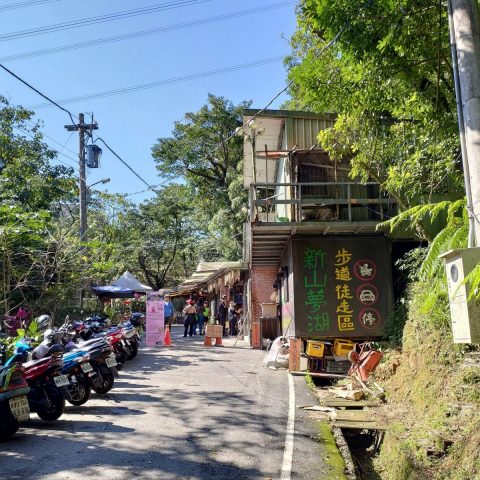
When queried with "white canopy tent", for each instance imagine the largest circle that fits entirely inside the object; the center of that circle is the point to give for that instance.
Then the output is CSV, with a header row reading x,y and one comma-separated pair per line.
x,y
128,281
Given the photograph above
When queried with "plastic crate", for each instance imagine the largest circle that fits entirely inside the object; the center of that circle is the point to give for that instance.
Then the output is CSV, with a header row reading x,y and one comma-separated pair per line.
x,y
315,349
340,368
341,348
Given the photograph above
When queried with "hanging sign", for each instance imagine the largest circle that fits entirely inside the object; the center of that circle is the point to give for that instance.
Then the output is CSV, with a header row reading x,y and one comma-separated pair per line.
x,y
155,323
343,286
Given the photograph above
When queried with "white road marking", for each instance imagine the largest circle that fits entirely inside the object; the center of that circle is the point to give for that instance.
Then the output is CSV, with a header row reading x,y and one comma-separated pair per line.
x,y
286,471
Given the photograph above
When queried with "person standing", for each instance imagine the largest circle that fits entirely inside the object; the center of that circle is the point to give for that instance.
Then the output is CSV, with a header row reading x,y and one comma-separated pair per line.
x,y
200,313
168,311
222,313
206,314
232,320
189,312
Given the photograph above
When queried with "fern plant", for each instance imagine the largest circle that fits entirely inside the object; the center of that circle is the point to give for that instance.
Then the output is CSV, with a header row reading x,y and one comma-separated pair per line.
x,y
452,234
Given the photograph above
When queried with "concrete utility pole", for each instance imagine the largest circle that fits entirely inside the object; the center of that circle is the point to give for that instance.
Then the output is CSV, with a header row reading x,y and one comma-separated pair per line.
x,y
82,128
464,21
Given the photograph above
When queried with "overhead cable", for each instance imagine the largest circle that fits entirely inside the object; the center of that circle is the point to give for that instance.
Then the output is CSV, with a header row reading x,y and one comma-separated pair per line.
x,y
38,92
168,81
58,152
141,33
99,19
290,83
29,3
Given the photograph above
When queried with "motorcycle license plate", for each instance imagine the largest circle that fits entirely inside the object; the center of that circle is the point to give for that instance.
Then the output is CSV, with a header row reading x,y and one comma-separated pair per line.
x,y
19,408
61,380
111,361
86,367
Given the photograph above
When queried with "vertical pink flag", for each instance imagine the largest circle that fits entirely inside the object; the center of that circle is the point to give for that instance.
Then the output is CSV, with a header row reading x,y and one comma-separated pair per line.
x,y
155,328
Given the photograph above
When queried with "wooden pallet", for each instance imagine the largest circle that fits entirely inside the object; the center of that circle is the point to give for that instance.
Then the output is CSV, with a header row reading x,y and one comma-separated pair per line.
x,y
356,419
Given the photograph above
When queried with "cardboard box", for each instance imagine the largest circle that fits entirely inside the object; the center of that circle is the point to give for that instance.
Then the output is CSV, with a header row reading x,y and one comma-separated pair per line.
x,y
214,331
269,309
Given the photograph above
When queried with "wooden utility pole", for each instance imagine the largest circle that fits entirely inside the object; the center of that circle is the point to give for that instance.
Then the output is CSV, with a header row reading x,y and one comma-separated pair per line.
x,y
464,21
82,127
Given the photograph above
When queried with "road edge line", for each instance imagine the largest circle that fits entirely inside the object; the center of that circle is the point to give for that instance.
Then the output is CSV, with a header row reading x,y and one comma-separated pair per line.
x,y
286,470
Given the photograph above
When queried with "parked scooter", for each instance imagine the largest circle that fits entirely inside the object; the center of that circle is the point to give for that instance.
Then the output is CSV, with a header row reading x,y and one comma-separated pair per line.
x,y
13,400
44,379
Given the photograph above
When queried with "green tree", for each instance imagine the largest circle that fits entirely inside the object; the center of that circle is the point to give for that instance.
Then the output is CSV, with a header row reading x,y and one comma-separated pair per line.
x,y
199,151
388,77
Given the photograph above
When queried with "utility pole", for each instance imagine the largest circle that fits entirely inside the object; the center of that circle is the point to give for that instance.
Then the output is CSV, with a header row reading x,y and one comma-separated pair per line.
x,y
465,26
82,127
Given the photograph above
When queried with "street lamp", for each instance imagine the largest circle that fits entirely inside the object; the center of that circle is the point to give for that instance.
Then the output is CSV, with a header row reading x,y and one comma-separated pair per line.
x,y
103,180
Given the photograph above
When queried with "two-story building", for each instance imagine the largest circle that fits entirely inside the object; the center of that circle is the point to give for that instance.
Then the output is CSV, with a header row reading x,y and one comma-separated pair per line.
x,y
312,241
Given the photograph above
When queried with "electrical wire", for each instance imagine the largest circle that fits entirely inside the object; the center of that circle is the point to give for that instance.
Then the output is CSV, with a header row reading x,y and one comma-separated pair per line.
x,y
150,187
99,19
169,81
29,134
290,83
63,145
39,92
29,3
142,33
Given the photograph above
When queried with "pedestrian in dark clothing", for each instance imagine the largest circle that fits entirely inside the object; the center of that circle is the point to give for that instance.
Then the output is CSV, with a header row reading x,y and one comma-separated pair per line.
x,y
232,319
222,313
200,306
189,313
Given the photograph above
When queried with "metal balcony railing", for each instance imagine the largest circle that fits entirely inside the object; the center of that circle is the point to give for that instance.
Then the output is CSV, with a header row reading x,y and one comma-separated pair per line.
x,y
319,201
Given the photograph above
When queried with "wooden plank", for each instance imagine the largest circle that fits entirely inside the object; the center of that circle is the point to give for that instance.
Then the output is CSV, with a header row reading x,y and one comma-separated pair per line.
x,y
343,403
367,416
359,425
319,375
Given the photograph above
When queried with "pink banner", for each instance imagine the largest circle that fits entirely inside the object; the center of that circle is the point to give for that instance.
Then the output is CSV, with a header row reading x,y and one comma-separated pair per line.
x,y
155,328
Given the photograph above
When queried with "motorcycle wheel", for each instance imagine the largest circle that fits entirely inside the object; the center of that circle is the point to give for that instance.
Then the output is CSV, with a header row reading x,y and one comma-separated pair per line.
x,y
52,412
8,423
105,384
81,395
134,351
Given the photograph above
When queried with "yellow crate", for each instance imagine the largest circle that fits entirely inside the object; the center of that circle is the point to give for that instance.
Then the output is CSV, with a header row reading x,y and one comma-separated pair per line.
x,y
315,349
342,348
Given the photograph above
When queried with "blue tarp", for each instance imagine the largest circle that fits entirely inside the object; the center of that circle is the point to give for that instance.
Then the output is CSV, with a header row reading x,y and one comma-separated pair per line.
x,y
112,291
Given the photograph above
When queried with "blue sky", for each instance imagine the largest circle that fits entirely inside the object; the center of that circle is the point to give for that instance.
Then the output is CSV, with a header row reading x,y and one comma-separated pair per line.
x,y
132,122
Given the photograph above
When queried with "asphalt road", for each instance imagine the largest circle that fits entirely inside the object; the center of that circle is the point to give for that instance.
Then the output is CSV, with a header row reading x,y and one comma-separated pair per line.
x,y
184,412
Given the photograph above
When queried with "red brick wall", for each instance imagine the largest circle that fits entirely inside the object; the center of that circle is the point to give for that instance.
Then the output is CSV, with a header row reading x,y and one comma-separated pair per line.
x,y
262,279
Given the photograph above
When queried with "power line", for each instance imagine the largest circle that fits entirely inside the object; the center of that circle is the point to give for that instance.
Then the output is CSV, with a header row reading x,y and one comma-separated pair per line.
x,y
169,81
71,115
290,83
29,3
26,132
63,145
150,187
99,19
38,92
142,33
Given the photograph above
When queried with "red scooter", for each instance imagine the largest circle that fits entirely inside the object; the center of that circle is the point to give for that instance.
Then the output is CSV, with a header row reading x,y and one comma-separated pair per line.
x,y
45,380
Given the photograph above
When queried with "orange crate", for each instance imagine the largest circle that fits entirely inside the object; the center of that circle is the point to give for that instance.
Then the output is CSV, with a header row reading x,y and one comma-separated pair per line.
x,y
315,349
341,348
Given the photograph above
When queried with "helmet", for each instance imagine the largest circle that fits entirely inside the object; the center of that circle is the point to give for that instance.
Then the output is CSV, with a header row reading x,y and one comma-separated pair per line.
x,y
43,322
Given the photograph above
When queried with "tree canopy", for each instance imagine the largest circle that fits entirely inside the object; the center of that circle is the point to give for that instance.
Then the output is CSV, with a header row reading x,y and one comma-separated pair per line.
x,y
388,77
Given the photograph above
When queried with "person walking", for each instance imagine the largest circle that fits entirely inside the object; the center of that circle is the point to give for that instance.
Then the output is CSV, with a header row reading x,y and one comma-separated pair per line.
x,y
189,312
168,311
222,313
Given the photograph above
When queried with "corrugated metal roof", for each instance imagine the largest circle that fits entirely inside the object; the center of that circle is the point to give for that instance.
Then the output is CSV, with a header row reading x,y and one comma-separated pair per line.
x,y
207,272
